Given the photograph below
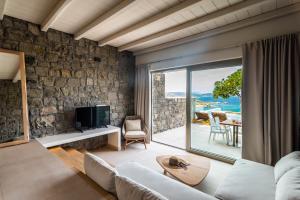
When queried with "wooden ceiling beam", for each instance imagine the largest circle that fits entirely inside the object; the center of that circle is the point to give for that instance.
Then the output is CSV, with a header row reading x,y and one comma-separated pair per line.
x,y
197,21
144,22
116,9
287,10
2,8
54,14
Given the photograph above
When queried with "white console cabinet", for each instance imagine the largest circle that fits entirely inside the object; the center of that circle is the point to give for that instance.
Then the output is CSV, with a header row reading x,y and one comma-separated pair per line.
x,y
114,137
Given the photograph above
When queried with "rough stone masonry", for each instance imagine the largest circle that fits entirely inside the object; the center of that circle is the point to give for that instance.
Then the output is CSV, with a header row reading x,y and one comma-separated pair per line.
x,y
168,112
63,74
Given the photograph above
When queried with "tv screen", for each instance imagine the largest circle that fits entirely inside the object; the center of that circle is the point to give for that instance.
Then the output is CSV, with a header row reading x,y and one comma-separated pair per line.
x,y
92,117
83,118
102,116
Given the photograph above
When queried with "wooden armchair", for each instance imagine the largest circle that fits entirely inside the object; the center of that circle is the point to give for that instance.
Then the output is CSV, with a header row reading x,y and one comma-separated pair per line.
x,y
136,133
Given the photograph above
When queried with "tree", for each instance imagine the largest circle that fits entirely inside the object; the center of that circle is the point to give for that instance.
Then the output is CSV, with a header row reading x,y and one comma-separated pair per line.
x,y
230,86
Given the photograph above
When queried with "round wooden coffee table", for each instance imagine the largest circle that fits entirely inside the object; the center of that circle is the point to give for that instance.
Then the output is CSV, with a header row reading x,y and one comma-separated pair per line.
x,y
191,175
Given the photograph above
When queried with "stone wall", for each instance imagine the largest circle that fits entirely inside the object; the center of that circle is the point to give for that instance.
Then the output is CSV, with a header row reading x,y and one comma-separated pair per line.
x,y
167,113
10,110
63,74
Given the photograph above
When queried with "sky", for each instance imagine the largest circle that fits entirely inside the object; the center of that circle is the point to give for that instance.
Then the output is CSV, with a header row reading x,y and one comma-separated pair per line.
x,y
202,80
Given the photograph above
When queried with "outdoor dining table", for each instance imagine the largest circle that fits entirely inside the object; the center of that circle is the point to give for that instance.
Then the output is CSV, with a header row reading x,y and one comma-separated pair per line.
x,y
235,125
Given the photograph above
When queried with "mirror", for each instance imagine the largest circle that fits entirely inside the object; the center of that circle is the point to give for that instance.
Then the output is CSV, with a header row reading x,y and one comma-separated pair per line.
x,y
14,123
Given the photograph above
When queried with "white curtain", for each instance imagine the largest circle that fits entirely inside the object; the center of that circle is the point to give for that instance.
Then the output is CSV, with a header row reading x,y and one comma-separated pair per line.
x,y
142,96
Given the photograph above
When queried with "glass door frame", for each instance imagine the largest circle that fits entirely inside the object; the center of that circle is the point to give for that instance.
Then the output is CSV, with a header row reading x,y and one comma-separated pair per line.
x,y
190,70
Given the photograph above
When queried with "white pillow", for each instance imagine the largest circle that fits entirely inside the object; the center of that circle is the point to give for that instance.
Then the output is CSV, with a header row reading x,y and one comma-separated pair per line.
x,y
288,187
133,125
286,163
100,171
128,189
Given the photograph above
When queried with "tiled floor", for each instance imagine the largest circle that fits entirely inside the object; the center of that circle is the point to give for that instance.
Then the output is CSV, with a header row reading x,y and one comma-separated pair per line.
x,y
200,140
147,157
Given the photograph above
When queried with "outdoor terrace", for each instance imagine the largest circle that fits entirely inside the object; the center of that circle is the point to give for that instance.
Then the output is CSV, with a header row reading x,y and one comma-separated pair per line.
x,y
199,140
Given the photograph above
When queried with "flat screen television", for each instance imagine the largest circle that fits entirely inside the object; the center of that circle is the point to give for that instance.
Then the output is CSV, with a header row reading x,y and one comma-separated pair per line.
x,y
92,117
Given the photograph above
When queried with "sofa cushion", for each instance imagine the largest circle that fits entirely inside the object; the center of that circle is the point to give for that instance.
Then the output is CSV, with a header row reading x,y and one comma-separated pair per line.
x,y
128,189
248,180
133,125
100,172
288,186
286,163
169,188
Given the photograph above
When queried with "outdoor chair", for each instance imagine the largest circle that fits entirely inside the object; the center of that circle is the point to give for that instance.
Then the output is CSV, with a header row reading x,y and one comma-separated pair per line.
x,y
217,129
133,131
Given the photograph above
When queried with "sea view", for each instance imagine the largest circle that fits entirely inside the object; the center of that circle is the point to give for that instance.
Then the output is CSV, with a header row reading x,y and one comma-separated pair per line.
x,y
206,102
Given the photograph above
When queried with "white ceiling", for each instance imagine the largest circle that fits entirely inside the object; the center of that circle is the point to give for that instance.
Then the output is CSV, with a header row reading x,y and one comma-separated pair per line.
x,y
77,14
9,66
33,11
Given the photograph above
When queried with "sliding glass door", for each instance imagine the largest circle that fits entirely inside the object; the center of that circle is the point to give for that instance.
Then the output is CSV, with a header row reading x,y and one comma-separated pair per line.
x,y
214,104
198,108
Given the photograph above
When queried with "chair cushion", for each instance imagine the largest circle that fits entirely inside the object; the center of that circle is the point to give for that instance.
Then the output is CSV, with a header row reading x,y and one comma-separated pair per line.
x,y
288,186
100,172
135,134
248,180
286,163
128,189
202,115
133,125
222,116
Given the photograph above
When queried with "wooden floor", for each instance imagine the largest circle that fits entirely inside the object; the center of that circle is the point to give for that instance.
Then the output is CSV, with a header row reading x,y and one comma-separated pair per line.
x,y
71,157
74,159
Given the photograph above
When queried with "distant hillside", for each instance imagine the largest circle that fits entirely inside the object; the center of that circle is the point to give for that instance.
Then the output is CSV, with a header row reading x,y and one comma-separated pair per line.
x,y
176,94
206,97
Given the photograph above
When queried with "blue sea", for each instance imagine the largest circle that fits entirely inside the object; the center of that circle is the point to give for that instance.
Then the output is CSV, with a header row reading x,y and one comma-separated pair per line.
x,y
232,104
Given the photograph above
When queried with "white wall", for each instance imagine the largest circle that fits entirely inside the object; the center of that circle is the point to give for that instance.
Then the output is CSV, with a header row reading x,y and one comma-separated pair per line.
x,y
219,47
206,57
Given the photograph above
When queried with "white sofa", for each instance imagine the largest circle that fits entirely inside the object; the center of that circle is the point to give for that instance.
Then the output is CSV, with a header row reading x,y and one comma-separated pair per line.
x,y
167,187
247,180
